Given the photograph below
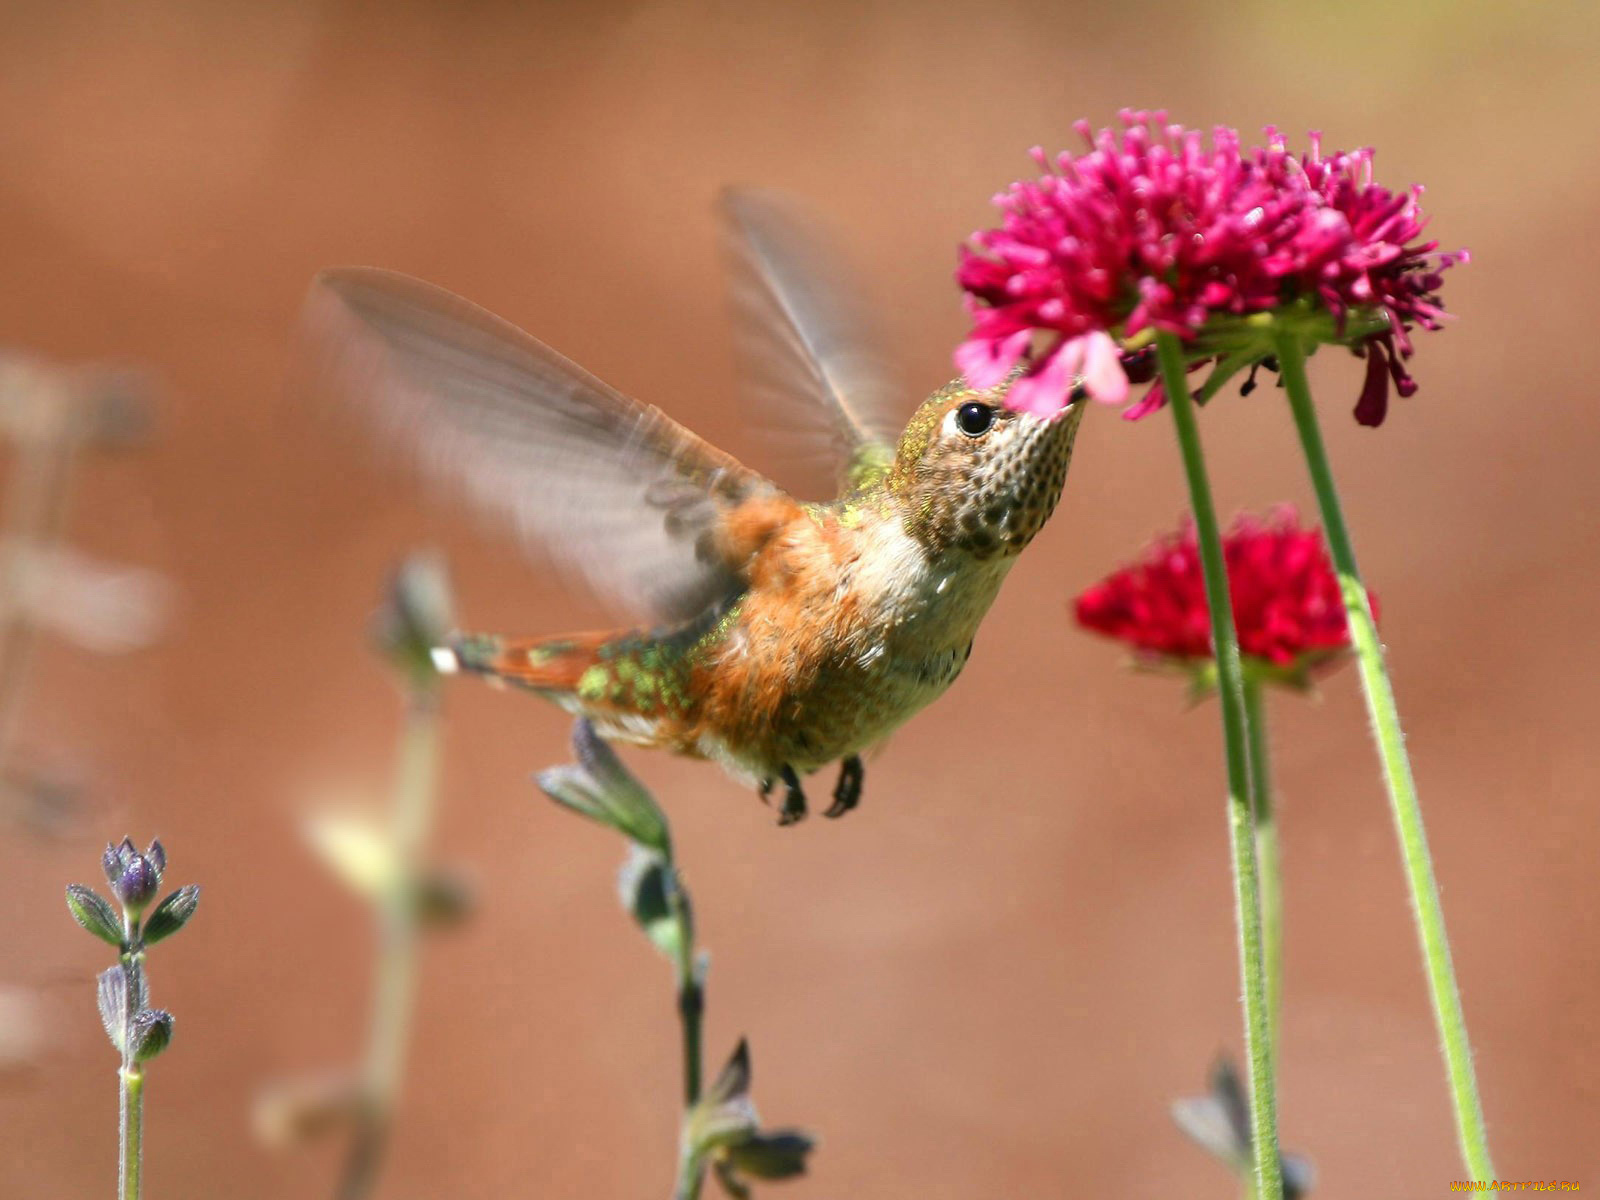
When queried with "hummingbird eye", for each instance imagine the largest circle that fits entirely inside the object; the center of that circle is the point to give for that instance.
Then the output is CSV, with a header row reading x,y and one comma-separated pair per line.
x,y
974,419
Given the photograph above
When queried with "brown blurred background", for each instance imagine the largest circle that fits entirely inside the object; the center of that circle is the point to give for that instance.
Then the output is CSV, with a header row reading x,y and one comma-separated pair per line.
x,y
992,979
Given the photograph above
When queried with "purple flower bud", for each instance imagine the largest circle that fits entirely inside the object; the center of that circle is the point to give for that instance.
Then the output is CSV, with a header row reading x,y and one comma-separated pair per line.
x,y
137,884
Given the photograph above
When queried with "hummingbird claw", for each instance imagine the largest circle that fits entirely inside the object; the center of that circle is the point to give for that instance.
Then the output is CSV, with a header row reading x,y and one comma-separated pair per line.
x,y
847,792
794,800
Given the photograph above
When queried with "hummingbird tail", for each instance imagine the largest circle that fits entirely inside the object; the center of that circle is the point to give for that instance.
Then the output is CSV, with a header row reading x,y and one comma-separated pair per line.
x,y
554,666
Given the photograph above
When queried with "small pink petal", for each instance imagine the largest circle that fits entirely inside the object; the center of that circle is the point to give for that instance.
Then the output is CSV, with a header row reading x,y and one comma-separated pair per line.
x,y
1154,400
1045,390
1103,376
985,362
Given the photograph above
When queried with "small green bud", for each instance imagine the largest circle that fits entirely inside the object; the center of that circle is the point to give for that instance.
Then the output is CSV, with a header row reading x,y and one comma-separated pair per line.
x,y
645,884
94,913
724,1126
725,1114
172,914
152,1032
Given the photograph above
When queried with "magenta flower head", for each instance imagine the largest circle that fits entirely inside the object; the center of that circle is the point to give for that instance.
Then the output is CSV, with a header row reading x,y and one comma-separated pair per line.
x,y
1152,228
1286,602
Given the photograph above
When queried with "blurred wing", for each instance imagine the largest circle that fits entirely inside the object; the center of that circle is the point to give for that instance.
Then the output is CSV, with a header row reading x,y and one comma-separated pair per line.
x,y
612,488
806,341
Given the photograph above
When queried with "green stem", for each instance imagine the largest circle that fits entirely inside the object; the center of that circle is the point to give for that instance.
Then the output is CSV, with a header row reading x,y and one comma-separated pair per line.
x,y
1230,688
691,1014
691,1174
691,992
394,990
132,1141
1396,771
1267,856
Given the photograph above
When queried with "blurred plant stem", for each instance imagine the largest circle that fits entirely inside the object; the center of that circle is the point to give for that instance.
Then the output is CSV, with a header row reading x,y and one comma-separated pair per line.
x,y
1263,803
1230,690
691,1172
35,512
1385,716
394,982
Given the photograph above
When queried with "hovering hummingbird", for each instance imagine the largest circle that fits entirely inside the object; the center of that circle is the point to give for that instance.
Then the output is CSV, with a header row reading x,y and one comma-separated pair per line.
x,y
776,636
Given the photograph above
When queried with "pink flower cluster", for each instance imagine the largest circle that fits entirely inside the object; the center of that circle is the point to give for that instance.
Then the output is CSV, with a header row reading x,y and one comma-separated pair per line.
x,y
1151,228
1286,602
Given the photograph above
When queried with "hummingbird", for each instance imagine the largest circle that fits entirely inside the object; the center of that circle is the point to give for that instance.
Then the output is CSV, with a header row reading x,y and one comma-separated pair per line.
x,y
771,635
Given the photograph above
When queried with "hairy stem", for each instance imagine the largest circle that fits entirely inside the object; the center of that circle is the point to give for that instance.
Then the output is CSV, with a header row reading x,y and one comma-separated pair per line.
x,y
1241,834
1396,771
1262,803
394,987
129,1186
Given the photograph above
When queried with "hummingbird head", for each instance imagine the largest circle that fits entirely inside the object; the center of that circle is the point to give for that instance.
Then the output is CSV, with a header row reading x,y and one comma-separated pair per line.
x,y
971,474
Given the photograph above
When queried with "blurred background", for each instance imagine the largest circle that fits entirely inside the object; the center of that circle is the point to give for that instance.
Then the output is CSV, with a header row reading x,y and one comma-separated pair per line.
x,y
993,978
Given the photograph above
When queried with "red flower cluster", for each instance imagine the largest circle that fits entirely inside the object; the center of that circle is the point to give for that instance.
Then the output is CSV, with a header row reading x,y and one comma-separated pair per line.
x,y
1286,603
1149,228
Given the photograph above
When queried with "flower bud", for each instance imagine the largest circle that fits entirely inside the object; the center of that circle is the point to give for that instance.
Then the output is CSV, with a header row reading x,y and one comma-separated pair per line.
x,y
135,878
724,1126
777,1155
151,1032
645,884
442,898
599,787
94,913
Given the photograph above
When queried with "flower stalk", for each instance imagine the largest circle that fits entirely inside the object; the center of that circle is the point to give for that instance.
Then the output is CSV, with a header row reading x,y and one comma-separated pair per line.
x,y
1262,806
1230,688
719,1129
131,1155
395,973
138,1032
1402,790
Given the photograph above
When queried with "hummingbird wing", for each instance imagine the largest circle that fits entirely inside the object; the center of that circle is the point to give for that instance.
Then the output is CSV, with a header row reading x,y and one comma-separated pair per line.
x,y
806,340
610,487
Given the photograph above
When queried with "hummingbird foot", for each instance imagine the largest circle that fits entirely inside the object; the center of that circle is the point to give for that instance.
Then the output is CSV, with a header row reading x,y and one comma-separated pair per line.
x,y
794,800
847,792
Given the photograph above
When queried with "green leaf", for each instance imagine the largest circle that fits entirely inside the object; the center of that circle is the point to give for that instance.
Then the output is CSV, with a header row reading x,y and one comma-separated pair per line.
x,y
112,994
172,914
94,913
780,1154
599,787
